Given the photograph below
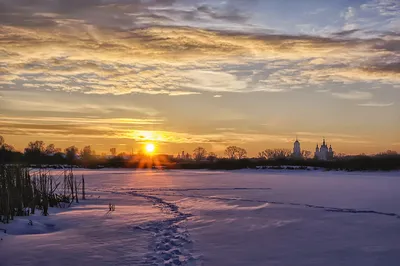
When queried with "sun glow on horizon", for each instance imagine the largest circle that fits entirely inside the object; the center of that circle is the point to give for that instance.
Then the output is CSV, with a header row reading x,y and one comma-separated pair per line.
x,y
150,148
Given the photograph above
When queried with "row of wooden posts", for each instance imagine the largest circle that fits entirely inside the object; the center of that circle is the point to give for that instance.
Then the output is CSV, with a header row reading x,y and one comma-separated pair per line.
x,y
24,190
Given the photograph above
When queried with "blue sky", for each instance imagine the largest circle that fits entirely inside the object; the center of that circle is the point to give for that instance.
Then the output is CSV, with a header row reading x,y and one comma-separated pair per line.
x,y
187,73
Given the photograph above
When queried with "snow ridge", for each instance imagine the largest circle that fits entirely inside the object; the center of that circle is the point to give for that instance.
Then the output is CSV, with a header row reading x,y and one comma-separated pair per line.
x,y
171,238
325,208
197,189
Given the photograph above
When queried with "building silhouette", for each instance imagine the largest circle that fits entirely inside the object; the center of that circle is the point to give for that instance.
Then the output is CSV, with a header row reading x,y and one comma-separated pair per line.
x,y
183,156
296,149
324,153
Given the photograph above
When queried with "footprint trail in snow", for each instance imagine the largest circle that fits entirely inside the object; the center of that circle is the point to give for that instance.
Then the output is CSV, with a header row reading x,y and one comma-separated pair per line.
x,y
171,239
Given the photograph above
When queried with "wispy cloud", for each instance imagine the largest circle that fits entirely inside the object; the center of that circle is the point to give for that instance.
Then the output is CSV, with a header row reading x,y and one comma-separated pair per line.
x,y
384,7
353,95
32,102
375,104
135,130
332,138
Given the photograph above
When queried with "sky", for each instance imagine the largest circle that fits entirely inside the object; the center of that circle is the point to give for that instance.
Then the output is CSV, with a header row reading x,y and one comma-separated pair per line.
x,y
188,73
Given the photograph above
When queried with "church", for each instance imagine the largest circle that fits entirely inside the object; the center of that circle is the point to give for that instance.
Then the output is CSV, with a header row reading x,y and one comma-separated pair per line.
x,y
324,153
296,149
321,153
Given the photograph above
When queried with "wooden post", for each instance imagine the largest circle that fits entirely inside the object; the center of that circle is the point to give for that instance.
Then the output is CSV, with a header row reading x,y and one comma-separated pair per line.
x,y
71,183
83,188
65,183
76,192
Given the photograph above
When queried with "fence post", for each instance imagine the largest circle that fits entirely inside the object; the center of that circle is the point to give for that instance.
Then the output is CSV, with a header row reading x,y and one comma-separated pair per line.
x,y
76,192
83,188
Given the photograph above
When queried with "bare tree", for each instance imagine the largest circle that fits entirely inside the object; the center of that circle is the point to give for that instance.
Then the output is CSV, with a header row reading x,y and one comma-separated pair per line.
x,y
51,149
212,156
199,153
241,153
113,151
71,153
388,153
86,152
340,155
35,147
7,147
230,152
275,154
234,152
306,154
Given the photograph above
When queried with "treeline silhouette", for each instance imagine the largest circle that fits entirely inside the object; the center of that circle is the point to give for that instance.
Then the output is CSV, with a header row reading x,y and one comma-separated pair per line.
x,y
387,162
37,154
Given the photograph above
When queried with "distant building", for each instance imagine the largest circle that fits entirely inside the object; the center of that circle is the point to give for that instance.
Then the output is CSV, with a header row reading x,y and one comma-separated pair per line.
x,y
324,153
296,149
183,156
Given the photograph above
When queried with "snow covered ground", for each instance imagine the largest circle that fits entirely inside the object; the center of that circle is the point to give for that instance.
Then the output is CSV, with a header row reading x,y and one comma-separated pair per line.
x,y
247,217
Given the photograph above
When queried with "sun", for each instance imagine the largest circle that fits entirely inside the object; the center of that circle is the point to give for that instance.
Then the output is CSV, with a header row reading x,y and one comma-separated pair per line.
x,y
150,147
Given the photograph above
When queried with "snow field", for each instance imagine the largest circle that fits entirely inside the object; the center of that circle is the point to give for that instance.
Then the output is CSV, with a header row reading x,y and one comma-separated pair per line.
x,y
247,217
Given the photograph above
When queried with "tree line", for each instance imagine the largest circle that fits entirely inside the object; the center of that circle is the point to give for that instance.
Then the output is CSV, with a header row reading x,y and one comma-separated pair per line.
x,y
238,153
37,152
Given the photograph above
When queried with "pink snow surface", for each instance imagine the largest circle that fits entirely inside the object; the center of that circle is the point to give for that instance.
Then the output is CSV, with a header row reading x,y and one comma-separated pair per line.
x,y
247,217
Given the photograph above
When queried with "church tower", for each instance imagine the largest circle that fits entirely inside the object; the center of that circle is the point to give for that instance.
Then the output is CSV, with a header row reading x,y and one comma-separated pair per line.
x,y
296,149
324,153
316,154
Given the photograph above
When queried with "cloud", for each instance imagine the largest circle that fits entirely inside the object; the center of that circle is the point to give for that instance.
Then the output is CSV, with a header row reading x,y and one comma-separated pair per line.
x,y
78,127
345,33
213,81
183,93
114,13
385,11
327,134
387,67
33,102
348,14
80,121
230,14
347,75
97,47
317,11
384,7
375,104
353,95
323,90
134,130
333,138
